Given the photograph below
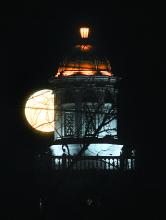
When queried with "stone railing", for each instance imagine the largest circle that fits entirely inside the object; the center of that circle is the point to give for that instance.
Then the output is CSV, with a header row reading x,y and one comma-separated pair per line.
x,y
89,162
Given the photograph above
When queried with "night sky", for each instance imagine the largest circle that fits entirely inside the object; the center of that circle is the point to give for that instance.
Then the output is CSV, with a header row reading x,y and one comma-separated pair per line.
x,y
35,39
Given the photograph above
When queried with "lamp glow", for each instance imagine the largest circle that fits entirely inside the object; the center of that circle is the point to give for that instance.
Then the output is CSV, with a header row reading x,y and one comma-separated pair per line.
x,y
84,31
39,110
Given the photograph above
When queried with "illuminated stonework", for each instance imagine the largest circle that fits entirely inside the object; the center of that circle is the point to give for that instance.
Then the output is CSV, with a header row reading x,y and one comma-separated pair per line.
x,y
92,150
85,67
39,110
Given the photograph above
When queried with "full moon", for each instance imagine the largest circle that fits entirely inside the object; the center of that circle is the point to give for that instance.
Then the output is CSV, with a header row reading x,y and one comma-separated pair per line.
x,y
39,110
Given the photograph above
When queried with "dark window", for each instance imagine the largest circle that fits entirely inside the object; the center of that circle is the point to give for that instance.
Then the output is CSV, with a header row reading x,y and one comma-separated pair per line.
x,y
69,123
90,123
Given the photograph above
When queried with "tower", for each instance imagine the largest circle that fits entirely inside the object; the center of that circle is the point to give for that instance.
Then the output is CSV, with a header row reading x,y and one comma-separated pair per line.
x,y
86,154
85,113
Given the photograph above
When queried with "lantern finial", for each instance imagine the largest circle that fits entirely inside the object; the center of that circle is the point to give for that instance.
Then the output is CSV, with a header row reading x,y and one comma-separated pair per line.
x,y
84,31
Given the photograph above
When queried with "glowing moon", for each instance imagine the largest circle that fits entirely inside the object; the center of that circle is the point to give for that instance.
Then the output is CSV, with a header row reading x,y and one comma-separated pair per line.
x,y
39,110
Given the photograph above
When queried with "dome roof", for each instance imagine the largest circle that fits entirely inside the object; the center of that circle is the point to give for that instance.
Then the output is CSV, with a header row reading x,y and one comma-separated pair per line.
x,y
83,61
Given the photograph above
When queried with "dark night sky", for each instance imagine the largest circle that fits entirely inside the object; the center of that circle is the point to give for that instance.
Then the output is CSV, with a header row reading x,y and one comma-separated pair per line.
x,y
34,41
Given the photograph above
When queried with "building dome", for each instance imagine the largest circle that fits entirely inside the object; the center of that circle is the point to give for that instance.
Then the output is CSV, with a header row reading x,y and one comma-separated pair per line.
x,y
83,61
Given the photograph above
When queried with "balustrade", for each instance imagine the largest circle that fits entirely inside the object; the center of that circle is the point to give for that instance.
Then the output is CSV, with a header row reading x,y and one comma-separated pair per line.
x,y
90,162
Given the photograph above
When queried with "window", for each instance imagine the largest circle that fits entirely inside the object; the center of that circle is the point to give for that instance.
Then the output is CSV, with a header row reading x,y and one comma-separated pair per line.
x,y
69,124
90,123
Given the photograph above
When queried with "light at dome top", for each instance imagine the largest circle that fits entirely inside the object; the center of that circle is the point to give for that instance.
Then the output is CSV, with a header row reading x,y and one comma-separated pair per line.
x,y
84,47
83,60
84,31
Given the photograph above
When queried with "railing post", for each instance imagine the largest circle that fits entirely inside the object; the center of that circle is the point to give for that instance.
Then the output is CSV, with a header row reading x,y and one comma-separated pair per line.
x,y
117,163
113,164
97,162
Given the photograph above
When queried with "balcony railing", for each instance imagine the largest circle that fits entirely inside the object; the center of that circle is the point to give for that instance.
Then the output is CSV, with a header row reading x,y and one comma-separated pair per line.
x,y
89,162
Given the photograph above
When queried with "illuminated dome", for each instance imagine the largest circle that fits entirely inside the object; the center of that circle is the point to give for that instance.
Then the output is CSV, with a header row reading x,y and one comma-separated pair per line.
x,y
83,60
